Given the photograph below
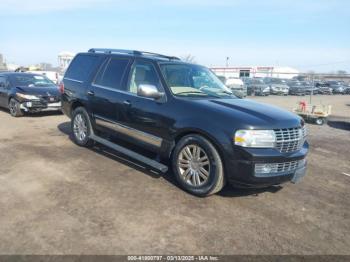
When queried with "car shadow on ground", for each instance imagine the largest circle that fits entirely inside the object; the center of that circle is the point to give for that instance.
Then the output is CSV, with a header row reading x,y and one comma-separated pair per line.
x,y
44,113
339,122
227,191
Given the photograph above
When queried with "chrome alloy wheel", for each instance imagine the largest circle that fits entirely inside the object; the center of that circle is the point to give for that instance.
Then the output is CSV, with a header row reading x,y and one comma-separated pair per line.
x,y
13,107
79,127
193,165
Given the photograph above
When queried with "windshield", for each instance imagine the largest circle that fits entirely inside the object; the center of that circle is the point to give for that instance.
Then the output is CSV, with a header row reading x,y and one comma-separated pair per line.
x,y
258,81
194,81
30,80
277,81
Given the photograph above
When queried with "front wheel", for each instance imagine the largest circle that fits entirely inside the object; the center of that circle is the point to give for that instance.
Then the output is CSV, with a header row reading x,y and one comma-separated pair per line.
x,y
198,166
14,107
81,127
320,121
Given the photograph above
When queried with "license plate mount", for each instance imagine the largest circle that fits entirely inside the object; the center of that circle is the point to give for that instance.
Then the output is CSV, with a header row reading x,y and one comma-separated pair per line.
x,y
58,104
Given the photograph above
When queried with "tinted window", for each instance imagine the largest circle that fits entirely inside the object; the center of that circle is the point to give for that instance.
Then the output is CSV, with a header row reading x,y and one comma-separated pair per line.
x,y
143,73
112,74
2,81
81,67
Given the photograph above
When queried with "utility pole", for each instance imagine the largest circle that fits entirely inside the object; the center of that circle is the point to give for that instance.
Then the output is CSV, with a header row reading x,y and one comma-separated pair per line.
x,y
227,58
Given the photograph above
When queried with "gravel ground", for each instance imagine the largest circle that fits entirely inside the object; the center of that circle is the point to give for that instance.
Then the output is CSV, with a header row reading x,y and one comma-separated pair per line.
x,y
58,198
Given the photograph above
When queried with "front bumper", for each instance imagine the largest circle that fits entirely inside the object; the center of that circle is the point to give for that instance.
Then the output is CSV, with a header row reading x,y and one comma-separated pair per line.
x,y
40,105
241,168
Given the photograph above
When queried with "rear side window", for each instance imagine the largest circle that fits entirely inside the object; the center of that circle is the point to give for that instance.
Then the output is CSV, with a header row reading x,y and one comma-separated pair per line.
x,y
112,74
81,67
2,81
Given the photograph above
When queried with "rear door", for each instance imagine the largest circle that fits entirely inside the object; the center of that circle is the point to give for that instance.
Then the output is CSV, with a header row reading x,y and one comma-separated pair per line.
x,y
77,79
109,91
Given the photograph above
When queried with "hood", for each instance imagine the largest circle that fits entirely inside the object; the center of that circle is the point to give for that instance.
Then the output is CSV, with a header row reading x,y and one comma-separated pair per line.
x,y
251,114
43,90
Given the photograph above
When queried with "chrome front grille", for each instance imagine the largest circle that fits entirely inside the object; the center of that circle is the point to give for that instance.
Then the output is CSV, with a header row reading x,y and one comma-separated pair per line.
x,y
290,139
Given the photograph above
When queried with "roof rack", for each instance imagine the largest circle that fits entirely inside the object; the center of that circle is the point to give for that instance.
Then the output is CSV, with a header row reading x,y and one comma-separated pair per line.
x,y
130,52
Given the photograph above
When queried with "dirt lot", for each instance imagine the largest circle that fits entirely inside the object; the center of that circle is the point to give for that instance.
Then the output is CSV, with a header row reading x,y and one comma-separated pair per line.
x,y
58,198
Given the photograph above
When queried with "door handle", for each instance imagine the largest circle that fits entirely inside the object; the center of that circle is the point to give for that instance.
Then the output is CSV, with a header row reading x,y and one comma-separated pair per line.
x,y
91,93
127,103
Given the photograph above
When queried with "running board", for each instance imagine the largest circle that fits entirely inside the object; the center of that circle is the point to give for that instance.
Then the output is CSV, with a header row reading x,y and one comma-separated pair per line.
x,y
148,161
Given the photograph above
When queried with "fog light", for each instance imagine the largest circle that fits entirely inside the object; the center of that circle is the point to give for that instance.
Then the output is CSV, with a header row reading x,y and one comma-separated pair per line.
x,y
264,168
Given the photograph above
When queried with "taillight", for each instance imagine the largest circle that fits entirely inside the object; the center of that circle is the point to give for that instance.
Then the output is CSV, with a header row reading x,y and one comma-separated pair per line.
x,y
61,87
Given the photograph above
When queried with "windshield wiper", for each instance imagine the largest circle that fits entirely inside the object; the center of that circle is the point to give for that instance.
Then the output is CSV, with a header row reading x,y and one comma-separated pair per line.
x,y
195,92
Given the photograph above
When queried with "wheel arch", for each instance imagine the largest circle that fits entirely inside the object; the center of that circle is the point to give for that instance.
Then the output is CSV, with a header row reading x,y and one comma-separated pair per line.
x,y
75,104
202,133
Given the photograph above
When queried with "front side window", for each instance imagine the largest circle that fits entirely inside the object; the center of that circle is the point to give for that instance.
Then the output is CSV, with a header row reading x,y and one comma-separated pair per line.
x,y
112,74
143,73
193,81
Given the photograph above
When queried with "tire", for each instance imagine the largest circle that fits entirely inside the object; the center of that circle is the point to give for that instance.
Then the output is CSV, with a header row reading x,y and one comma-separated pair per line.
x,y
319,121
14,107
81,127
189,174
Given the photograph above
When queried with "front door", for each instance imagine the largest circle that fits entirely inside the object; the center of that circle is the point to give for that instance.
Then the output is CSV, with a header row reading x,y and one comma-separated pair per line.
x,y
145,117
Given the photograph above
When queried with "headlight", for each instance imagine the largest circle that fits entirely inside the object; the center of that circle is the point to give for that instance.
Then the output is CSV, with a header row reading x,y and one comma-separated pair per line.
x,y
255,138
30,97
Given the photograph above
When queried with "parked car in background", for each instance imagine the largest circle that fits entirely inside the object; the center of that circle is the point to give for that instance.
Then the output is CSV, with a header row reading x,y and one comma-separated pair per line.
x,y
277,86
296,88
222,79
323,88
237,86
309,88
23,92
257,87
183,113
337,87
347,90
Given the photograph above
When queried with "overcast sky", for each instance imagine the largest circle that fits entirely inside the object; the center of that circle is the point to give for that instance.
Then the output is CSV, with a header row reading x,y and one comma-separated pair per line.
x,y
305,34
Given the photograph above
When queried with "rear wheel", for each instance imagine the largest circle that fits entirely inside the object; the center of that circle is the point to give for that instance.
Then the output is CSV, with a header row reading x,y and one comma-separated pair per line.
x,y
198,166
81,127
14,107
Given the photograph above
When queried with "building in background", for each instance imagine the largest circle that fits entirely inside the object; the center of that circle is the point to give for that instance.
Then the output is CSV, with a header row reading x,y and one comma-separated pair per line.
x,y
3,66
64,59
256,71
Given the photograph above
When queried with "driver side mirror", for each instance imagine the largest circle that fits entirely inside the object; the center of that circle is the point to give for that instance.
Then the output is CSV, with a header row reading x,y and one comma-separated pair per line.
x,y
149,91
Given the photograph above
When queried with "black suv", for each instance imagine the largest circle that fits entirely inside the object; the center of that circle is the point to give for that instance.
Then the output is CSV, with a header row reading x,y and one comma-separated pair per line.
x,y
182,112
24,92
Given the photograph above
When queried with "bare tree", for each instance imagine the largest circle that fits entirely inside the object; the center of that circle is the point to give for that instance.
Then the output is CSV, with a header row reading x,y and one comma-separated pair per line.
x,y
189,58
341,72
